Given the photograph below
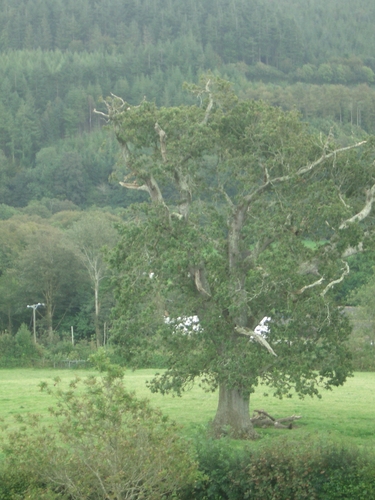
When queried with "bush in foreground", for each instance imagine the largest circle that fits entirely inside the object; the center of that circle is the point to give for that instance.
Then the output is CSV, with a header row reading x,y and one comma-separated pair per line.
x,y
105,443
285,471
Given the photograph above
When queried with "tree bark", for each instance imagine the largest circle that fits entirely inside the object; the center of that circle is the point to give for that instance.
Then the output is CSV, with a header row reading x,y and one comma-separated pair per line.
x,y
97,326
232,415
49,315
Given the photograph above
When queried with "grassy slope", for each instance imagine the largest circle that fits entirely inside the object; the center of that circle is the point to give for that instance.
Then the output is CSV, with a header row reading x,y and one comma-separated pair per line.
x,y
345,414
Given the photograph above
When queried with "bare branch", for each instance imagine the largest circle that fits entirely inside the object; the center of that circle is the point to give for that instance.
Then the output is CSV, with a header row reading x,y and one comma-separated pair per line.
x,y
352,250
183,182
198,283
346,271
302,171
311,166
312,285
343,201
177,215
324,157
255,336
162,137
134,185
264,419
150,186
210,104
116,106
226,196
370,195
123,103
102,114
262,412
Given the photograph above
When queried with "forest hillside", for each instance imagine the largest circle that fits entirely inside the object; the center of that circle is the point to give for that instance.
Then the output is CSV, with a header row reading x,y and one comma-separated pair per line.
x,y
59,57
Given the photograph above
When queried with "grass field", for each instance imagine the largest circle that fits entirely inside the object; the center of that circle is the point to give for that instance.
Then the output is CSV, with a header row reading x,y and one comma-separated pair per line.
x,y
346,414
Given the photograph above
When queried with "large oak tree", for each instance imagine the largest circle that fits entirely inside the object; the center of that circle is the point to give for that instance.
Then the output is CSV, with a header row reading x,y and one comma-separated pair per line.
x,y
246,214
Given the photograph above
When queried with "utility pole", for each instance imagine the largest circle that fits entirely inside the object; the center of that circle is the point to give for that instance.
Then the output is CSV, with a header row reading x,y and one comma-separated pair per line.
x,y
34,308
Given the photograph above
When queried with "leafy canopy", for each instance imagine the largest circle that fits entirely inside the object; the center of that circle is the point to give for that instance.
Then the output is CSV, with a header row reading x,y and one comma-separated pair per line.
x,y
250,215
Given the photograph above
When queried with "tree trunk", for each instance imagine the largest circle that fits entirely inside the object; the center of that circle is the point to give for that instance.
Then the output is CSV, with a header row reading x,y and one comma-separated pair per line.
x,y
49,321
232,415
97,326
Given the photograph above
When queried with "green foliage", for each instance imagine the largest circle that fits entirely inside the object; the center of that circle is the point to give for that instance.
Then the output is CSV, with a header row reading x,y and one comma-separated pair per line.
x,y
308,470
362,340
56,62
362,270
227,243
19,350
6,212
58,353
25,341
59,273
104,442
15,485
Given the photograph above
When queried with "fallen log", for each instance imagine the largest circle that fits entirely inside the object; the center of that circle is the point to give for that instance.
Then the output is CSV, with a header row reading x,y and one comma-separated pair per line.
x,y
263,419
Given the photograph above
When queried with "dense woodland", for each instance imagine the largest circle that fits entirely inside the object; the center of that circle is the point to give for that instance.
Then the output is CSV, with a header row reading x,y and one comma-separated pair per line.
x,y
57,58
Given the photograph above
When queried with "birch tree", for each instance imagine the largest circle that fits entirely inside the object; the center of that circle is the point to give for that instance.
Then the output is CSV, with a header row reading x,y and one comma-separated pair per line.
x,y
90,235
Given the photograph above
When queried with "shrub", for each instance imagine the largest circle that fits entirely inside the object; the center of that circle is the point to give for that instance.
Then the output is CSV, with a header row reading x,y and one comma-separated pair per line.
x,y
18,350
285,471
219,464
62,351
105,443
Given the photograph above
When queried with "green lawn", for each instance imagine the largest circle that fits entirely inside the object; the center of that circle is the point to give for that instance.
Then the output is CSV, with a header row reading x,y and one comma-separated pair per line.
x,y
345,414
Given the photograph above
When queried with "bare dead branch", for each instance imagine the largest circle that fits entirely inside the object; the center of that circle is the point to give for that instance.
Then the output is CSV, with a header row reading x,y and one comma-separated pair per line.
x,y
261,418
343,201
102,114
150,186
210,104
183,182
123,103
198,283
116,106
352,250
226,196
312,285
255,336
247,200
262,412
346,271
308,168
177,215
134,185
370,195
288,419
162,138
324,157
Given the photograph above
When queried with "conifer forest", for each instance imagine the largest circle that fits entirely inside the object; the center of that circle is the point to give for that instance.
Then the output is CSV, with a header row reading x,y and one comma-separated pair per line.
x,y
60,164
